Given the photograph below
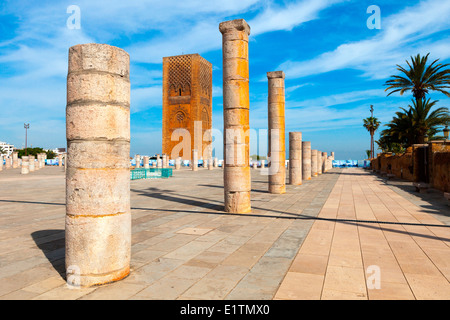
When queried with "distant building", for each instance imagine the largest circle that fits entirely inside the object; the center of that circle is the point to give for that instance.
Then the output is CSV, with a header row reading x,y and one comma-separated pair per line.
x,y
7,148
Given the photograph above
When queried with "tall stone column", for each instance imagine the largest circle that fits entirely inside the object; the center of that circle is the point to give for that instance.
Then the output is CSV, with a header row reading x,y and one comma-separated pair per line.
x,y
295,158
146,162
319,162
31,163
306,160
98,215
277,148
60,160
1,162
210,164
164,161
194,164
324,162
178,163
25,165
15,160
236,106
7,162
137,158
314,163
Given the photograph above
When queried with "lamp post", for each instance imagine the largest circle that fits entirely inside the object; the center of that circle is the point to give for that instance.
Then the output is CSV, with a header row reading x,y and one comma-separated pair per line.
x,y
446,132
26,126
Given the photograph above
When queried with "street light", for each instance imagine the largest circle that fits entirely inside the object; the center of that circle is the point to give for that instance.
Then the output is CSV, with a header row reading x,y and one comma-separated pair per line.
x,y
446,131
26,126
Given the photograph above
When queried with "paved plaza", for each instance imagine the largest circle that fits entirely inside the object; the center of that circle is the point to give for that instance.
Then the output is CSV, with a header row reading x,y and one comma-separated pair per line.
x,y
346,234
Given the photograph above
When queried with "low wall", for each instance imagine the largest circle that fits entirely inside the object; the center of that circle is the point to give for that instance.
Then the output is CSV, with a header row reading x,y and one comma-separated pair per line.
x,y
406,166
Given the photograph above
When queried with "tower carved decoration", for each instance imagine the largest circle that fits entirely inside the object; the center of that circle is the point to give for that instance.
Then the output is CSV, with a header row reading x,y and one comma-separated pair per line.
x,y
187,104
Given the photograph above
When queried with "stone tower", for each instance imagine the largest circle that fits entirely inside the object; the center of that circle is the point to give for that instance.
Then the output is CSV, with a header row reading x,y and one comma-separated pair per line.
x,y
187,105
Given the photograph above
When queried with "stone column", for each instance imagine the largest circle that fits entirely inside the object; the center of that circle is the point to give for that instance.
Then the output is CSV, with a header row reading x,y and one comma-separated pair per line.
x,y
314,163
31,163
98,215
236,106
332,155
306,160
15,160
1,162
7,162
137,159
295,158
216,163
210,164
324,162
158,161
25,165
319,162
194,163
146,162
178,163
164,161
277,148
255,165
59,160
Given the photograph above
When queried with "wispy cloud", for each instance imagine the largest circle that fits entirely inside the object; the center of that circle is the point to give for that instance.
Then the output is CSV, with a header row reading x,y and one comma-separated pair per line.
x,y
402,34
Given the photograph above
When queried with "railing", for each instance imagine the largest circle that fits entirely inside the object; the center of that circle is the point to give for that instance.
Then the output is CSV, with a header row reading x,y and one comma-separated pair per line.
x,y
151,173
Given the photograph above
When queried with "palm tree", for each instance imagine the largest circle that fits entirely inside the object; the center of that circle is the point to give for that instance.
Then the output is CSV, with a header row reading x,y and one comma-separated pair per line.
x,y
420,78
425,121
371,124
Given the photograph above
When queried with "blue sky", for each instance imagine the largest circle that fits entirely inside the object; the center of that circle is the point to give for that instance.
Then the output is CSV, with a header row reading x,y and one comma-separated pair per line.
x,y
335,65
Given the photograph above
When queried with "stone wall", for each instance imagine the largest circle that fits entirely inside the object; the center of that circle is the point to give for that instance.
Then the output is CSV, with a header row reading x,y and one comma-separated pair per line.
x,y
409,165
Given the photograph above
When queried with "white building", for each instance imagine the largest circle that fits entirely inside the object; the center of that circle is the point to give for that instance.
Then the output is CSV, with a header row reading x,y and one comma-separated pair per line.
x,y
7,148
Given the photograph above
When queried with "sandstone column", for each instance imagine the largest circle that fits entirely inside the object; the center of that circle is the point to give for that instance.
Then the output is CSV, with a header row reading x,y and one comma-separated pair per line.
x,y
15,160
178,163
295,158
216,163
306,160
277,148
324,162
194,164
98,217
319,162
25,165
158,161
8,162
137,159
314,163
332,155
1,162
146,162
31,163
210,164
60,160
236,105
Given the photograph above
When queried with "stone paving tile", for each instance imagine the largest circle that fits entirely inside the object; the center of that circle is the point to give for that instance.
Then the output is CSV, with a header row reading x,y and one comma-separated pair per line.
x,y
185,247
411,259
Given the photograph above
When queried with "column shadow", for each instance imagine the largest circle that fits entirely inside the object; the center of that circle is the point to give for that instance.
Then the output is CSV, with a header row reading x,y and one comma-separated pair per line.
x,y
52,244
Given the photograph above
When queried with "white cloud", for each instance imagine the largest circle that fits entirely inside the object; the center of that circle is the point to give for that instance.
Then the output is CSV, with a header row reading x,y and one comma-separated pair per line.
x,y
402,35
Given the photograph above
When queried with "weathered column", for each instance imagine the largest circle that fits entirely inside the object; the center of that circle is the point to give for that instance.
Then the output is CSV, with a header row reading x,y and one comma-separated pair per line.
x,y
59,160
295,158
277,148
178,163
158,161
314,163
98,216
15,160
319,162
210,164
306,160
255,165
216,162
1,162
332,155
324,162
236,105
31,163
7,162
137,159
194,164
25,165
146,162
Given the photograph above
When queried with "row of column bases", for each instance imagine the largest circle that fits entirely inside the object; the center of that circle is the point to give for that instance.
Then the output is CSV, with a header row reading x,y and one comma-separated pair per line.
x,y
98,214
27,163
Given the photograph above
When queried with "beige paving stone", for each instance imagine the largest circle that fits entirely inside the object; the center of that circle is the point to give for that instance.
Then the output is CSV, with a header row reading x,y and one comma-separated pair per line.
x,y
300,286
